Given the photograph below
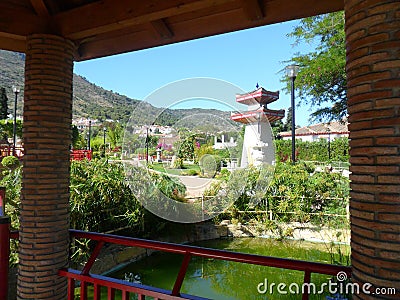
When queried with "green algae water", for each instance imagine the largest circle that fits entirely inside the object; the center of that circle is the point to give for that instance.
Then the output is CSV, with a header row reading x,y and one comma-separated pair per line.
x,y
216,279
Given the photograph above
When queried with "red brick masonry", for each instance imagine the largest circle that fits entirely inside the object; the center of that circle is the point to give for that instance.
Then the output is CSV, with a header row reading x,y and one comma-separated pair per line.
x,y
373,71
45,192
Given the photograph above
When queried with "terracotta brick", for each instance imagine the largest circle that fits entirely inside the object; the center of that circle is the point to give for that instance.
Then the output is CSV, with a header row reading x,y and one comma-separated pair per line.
x,y
373,132
376,113
363,160
376,207
354,126
360,107
362,142
389,198
366,197
362,214
388,217
377,188
391,237
395,140
389,255
369,77
358,71
365,23
374,169
358,89
373,151
359,265
388,83
387,102
371,40
365,232
373,95
354,18
384,65
386,46
362,178
387,27
387,122
377,244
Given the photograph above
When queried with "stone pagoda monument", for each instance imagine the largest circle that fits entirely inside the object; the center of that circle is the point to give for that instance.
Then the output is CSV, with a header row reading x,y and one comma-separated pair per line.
x,y
257,144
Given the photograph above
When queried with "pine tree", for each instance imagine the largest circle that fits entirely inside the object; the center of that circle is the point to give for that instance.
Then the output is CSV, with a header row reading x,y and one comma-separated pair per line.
x,y
3,104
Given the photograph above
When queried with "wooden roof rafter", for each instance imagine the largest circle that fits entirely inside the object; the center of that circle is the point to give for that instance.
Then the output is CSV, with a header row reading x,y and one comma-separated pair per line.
x,y
40,8
105,27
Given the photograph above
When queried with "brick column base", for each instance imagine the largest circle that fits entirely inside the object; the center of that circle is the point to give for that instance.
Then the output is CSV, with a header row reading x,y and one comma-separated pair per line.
x,y
373,74
44,238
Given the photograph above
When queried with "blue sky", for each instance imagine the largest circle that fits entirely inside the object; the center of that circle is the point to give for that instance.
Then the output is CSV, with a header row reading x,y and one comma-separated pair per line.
x,y
242,58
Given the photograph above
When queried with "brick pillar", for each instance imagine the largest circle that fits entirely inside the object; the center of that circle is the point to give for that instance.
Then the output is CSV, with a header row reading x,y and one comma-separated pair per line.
x,y
44,217
373,74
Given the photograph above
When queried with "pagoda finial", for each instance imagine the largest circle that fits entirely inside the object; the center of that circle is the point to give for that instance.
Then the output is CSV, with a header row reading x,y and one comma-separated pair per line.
x,y
257,86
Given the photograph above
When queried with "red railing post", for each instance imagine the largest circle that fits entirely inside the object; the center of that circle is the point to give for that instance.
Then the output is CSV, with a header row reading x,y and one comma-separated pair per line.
x,y
4,245
181,274
4,255
307,279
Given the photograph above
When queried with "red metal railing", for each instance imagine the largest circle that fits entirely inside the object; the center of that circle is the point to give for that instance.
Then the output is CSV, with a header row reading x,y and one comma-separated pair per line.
x,y
112,285
8,151
81,154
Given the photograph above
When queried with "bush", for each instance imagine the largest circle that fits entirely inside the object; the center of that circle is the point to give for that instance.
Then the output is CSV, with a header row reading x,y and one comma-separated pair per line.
x,y
11,180
10,162
210,165
101,200
178,163
292,194
314,151
190,172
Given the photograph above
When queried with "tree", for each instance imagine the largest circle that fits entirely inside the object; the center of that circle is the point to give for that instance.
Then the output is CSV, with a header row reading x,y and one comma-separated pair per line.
x,y
186,148
288,122
321,81
6,129
115,133
75,137
3,104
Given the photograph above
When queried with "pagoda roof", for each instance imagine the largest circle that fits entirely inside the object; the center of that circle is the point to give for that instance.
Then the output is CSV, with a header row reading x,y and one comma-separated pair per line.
x,y
261,114
261,95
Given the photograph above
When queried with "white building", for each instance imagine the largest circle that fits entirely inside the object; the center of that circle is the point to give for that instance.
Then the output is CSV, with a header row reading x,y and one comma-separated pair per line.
x,y
319,131
222,144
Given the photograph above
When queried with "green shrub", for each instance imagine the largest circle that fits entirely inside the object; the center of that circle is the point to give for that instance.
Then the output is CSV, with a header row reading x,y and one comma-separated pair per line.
x,y
210,165
190,172
178,163
292,194
10,162
314,151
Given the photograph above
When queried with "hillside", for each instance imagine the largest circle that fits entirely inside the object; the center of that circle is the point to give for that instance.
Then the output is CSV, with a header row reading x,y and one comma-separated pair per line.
x,y
92,101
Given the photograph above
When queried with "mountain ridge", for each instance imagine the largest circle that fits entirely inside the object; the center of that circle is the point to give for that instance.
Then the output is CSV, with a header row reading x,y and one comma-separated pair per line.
x,y
94,102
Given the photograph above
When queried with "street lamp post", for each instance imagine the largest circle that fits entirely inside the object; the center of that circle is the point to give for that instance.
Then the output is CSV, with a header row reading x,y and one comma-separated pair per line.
x,y
16,91
147,145
329,143
291,72
89,134
104,139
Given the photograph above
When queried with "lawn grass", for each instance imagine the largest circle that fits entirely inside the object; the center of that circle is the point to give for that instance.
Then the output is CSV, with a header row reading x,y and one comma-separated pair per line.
x,y
164,168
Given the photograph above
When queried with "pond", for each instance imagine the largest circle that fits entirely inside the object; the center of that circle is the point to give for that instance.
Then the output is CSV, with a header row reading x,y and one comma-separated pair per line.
x,y
216,279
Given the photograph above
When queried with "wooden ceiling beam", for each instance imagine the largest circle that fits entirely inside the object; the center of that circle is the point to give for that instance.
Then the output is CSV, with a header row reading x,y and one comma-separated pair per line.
x,y
40,8
197,24
109,15
21,22
253,9
12,42
162,29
